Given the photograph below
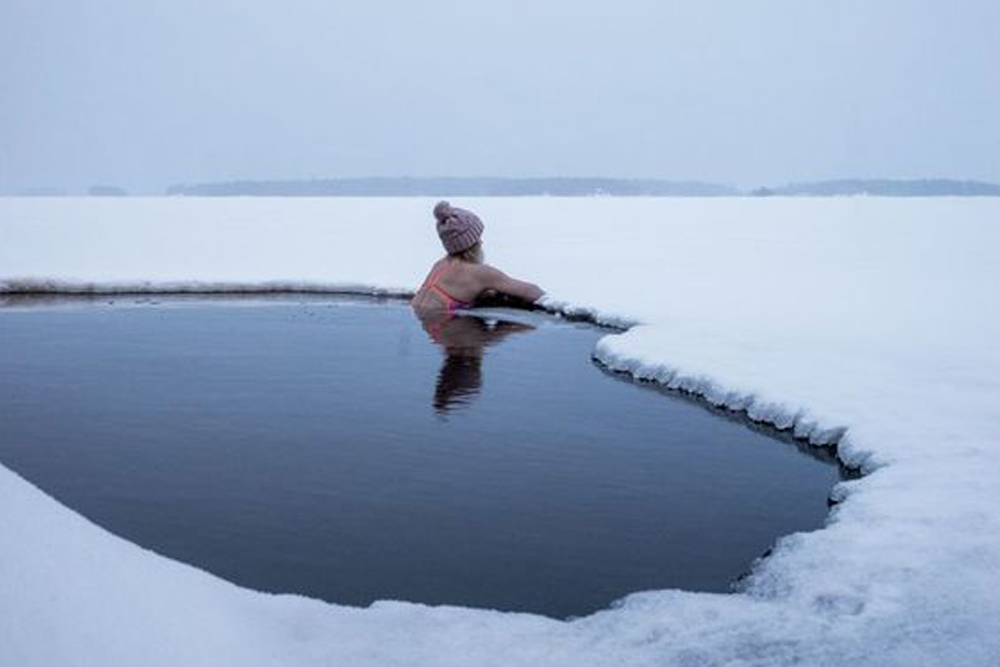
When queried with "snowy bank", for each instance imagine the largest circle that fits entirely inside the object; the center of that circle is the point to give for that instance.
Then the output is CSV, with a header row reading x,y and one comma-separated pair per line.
x,y
868,322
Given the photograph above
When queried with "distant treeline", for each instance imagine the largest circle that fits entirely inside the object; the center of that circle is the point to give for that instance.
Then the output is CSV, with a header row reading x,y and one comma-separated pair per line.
x,y
453,186
883,187
456,187
106,191
574,187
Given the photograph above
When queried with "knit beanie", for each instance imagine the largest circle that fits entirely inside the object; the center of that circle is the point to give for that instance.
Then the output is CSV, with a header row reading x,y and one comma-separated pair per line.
x,y
459,229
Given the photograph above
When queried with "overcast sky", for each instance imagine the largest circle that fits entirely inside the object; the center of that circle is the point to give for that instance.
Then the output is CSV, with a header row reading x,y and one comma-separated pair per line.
x,y
148,93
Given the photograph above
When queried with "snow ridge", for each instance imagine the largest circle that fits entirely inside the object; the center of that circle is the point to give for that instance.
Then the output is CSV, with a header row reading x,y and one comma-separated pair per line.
x,y
778,415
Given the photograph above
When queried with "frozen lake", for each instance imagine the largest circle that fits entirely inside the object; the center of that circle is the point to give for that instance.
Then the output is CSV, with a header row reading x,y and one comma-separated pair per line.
x,y
344,450
868,322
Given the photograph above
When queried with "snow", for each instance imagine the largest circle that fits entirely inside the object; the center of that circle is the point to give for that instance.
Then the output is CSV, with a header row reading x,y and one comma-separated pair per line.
x,y
866,322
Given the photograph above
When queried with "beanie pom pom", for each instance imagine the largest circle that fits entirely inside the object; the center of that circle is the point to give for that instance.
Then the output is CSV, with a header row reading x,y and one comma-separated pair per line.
x,y
442,210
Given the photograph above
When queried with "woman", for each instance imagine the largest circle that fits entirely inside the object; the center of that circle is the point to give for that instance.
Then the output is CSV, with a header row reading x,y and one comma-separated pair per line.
x,y
459,278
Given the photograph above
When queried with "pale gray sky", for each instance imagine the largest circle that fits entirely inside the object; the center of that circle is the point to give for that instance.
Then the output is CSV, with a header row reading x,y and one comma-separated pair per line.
x,y
145,94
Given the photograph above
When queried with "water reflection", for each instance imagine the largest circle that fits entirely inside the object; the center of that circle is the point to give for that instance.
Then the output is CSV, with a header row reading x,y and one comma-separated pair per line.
x,y
463,339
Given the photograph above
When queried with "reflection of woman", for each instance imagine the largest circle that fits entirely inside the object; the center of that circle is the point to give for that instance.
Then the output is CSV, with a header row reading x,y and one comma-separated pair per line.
x,y
464,340
460,277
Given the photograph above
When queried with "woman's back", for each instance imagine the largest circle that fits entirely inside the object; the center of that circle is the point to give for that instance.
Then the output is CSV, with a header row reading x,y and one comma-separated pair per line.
x,y
451,283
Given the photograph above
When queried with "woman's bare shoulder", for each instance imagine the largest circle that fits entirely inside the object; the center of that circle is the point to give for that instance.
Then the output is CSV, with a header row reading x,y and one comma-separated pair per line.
x,y
493,278
486,271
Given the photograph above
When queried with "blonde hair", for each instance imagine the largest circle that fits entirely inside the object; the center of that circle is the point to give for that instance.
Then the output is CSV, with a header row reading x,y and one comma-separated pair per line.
x,y
472,254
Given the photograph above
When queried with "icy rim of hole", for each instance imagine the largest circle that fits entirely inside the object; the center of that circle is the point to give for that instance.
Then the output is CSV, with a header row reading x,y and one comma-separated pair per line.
x,y
662,375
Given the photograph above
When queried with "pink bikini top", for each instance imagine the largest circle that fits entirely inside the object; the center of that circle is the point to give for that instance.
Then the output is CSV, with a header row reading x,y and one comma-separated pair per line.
x,y
451,303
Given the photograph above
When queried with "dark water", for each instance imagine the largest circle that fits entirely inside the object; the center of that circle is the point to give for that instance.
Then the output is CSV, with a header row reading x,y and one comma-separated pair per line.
x,y
347,451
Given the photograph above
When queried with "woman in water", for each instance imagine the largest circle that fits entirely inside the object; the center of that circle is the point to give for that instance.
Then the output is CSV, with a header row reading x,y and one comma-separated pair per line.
x,y
456,281
460,277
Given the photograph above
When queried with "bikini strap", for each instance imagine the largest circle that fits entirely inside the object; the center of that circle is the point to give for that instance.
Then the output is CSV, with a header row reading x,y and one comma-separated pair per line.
x,y
434,278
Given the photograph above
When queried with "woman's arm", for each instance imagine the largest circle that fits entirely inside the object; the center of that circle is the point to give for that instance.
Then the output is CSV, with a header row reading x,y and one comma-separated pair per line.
x,y
497,280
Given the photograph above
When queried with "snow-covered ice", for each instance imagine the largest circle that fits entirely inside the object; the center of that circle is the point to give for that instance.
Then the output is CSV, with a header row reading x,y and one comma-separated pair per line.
x,y
873,323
